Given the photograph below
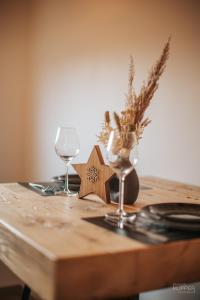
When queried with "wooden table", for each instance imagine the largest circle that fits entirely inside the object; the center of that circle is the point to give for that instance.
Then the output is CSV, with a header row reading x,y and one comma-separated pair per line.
x,y
45,242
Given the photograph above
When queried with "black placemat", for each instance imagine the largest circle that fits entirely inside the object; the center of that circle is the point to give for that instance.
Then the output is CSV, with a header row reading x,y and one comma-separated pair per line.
x,y
60,186
170,235
74,185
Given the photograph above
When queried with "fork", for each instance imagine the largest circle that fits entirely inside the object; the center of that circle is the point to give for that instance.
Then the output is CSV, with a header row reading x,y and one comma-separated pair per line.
x,y
44,189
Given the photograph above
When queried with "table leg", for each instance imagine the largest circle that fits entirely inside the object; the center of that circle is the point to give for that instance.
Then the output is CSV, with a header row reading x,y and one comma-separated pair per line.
x,y
26,293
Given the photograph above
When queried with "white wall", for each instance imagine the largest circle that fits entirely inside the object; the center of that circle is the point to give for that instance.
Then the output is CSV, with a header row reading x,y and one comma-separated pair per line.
x,y
66,62
79,55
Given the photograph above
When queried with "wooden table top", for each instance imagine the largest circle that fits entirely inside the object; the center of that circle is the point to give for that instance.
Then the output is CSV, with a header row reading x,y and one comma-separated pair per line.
x,y
45,242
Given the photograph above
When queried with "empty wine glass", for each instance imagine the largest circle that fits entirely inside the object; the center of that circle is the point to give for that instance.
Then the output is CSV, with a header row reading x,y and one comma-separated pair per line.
x,y
122,156
67,147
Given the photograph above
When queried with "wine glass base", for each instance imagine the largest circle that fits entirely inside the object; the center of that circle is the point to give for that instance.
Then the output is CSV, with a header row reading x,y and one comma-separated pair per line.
x,y
71,193
116,215
68,193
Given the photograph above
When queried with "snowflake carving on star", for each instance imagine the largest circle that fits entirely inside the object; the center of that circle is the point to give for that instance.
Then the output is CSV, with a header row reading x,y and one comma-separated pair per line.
x,y
93,174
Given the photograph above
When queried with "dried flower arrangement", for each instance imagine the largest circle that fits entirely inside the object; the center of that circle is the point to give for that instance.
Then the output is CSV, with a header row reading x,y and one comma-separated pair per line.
x,y
132,119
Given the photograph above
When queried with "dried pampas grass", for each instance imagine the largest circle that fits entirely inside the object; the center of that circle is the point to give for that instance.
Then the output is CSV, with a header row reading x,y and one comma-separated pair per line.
x,y
132,118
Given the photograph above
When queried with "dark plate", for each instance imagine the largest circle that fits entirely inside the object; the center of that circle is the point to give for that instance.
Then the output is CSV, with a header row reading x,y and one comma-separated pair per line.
x,y
181,216
180,212
73,179
161,225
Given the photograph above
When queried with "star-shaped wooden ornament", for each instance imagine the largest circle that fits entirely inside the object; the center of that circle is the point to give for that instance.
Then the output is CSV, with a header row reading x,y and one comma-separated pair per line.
x,y
94,176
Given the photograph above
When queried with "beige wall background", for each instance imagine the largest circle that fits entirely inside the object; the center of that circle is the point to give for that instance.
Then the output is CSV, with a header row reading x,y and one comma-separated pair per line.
x,y
66,62
13,52
79,56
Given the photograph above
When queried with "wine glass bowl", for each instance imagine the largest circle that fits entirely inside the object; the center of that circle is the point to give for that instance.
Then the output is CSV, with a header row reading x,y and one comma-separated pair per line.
x,y
67,148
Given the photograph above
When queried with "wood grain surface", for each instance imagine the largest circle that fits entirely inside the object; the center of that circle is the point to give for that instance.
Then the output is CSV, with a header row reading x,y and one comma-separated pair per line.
x,y
45,242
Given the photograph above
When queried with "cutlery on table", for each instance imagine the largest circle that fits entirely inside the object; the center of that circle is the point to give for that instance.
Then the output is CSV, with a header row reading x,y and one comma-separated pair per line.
x,y
44,189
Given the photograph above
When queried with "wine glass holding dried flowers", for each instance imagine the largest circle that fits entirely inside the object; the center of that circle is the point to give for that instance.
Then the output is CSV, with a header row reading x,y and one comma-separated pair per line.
x,y
122,157
121,141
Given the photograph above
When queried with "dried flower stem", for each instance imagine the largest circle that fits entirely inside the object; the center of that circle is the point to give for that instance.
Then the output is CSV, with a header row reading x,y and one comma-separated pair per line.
x,y
132,118
117,121
107,117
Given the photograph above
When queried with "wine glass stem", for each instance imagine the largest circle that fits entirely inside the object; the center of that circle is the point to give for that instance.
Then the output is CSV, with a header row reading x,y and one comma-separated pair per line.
x,y
121,196
66,189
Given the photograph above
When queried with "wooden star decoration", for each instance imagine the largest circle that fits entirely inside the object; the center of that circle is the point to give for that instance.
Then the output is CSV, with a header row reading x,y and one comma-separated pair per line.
x,y
95,175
